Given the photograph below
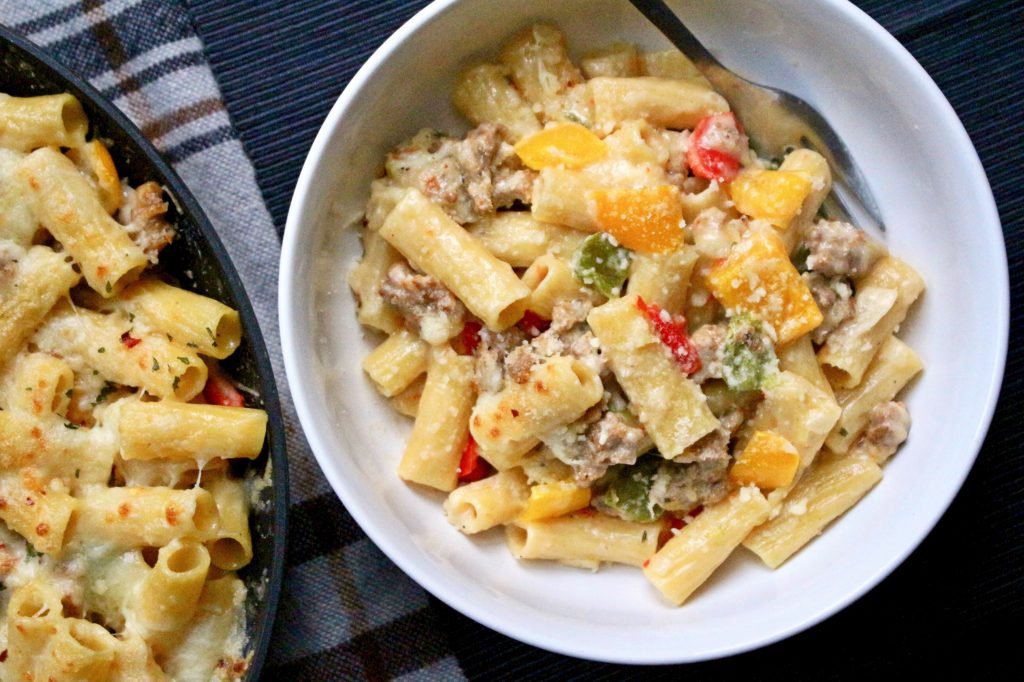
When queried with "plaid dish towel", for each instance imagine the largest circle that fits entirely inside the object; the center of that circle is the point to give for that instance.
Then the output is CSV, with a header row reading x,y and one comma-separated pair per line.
x,y
346,612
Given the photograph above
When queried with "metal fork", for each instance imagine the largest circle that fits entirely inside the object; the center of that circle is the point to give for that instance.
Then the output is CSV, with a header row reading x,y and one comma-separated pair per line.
x,y
776,120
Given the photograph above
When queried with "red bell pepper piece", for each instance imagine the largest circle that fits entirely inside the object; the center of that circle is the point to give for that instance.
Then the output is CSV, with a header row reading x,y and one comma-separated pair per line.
x,y
471,466
219,390
533,324
468,339
673,334
716,146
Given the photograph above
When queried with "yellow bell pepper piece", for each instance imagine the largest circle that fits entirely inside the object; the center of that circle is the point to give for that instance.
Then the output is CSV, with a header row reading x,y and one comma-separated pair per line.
x,y
641,218
758,277
548,500
773,196
768,461
563,144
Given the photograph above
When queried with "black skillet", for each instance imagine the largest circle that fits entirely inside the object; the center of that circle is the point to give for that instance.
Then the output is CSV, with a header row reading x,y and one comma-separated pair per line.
x,y
25,70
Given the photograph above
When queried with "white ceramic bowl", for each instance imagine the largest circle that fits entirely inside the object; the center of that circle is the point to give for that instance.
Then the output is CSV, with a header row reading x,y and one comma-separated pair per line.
x,y
941,217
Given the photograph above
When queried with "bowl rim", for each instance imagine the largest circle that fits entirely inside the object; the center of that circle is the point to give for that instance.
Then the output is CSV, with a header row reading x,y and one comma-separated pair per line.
x,y
452,596
188,204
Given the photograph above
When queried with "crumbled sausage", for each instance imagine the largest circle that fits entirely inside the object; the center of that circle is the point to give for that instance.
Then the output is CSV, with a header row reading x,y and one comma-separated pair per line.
x,y
839,249
520,362
593,445
426,305
708,340
565,336
714,234
834,297
144,213
468,178
714,447
888,426
683,487
568,313
492,352
670,147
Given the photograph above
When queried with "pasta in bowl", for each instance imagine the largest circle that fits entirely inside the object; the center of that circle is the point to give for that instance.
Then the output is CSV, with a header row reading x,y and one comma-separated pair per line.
x,y
616,289
136,407
690,357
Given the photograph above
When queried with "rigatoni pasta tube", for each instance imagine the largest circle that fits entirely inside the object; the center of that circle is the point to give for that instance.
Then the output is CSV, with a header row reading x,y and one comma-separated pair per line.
x,y
849,349
70,209
893,367
561,196
36,383
40,279
133,660
34,614
798,357
139,517
39,513
440,433
221,605
670,64
663,279
397,362
167,597
489,502
173,430
437,245
483,94
78,650
95,161
408,401
65,649
551,280
584,540
556,391
689,558
27,123
815,168
231,544
190,319
800,412
17,219
519,239
618,60
538,62
713,196
671,407
662,102
54,448
832,485
158,366
365,280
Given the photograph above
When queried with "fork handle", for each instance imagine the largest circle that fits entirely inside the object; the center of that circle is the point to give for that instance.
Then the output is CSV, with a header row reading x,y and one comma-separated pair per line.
x,y
669,24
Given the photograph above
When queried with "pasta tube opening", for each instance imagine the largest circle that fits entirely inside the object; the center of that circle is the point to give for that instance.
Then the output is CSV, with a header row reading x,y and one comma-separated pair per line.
x,y
516,537
190,382
33,601
87,636
186,559
229,553
73,118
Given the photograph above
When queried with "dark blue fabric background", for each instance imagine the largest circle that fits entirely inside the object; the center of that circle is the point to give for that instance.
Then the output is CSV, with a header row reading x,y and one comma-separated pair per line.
x,y
281,64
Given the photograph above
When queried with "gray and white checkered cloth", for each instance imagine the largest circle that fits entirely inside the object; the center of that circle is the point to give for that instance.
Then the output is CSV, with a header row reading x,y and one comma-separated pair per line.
x,y
346,612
